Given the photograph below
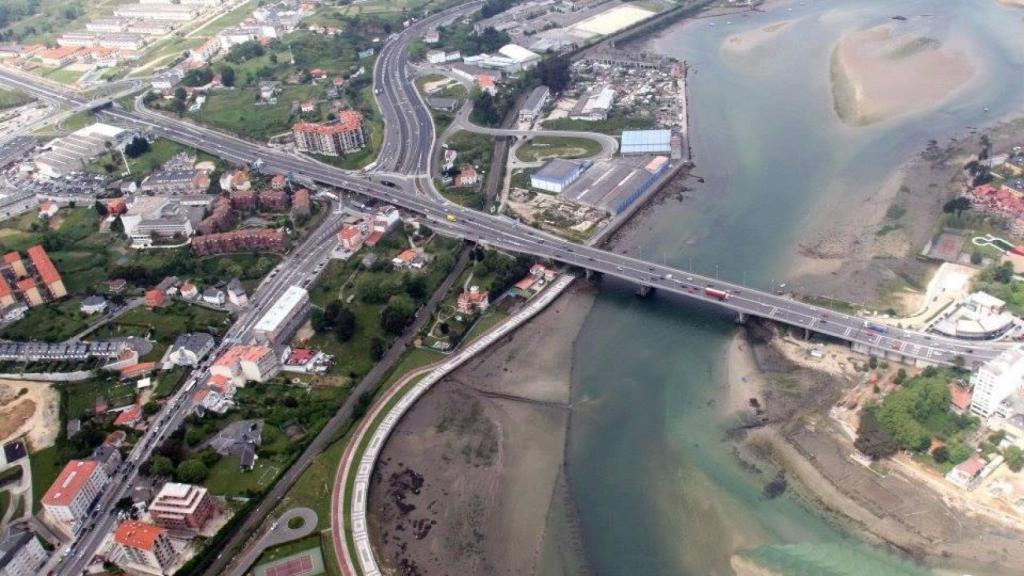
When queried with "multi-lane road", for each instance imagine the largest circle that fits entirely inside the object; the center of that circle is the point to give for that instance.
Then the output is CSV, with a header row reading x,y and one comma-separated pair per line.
x,y
406,151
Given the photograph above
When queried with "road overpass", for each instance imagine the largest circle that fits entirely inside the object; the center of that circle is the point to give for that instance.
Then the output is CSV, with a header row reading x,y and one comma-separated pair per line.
x,y
509,235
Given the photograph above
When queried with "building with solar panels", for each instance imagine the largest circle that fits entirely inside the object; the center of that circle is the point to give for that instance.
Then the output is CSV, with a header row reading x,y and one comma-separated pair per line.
x,y
646,142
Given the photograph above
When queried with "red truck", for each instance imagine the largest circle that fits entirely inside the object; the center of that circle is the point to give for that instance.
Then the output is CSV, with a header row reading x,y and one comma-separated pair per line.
x,y
720,294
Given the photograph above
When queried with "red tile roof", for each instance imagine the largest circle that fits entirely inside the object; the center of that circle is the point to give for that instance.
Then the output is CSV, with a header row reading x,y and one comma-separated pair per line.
x,y
300,356
26,284
68,483
5,288
137,369
41,260
972,466
138,535
11,257
129,416
348,121
220,382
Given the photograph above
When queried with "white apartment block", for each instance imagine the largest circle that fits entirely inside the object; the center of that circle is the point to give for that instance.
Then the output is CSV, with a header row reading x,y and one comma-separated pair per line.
x,y
21,554
68,499
996,380
168,12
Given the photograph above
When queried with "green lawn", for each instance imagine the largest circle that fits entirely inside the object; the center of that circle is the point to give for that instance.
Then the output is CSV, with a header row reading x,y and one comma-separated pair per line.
x,y
160,151
12,98
54,17
45,468
165,324
289,548
226,479
64,76
236,111
81,396
50,323
412,359
544,147
314,486
613,125
77,120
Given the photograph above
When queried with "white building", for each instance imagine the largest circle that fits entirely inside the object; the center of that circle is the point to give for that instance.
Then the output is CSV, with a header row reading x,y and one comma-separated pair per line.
x,y
155,217
190,348
557,174
141,548
595,106
522,57
76,487
283,317
996,380
21,554
385,218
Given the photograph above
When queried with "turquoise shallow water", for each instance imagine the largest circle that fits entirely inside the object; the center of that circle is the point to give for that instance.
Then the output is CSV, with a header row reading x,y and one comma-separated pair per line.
x,y
658,490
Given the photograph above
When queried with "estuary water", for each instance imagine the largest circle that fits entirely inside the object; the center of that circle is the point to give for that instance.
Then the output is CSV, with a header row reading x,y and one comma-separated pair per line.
x,y
657,489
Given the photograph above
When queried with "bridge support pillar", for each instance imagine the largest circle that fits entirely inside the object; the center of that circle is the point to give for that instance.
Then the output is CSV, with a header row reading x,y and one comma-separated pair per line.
x,y
741,318
593,276
807,333
644,291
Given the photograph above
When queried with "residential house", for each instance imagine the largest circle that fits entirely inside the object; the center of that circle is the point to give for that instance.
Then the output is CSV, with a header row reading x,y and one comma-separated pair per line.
x,y
69,498
21,554
190,348
188,290
467,176
214,296
472,301
351,238
236,293
155,298
130,416
301,203
92,305
407,259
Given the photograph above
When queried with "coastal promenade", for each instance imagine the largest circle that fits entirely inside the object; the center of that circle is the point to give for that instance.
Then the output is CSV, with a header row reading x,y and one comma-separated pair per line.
x,y
352,545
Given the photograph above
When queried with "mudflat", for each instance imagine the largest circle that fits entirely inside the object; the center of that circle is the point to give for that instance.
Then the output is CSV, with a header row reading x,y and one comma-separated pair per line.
x,y
467,482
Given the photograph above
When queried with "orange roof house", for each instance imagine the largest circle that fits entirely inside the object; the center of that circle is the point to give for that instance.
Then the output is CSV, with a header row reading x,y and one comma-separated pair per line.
x,y
136,370
154,298
129,417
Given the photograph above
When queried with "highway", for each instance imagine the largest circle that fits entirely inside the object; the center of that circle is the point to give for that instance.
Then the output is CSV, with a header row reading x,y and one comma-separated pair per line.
x,y
406,150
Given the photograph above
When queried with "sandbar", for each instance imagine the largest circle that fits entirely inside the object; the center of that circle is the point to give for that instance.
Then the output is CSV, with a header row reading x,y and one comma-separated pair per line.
x,y
878,74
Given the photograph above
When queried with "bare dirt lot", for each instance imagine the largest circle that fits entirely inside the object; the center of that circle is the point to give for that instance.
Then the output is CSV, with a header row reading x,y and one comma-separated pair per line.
x,y
30,408
466,483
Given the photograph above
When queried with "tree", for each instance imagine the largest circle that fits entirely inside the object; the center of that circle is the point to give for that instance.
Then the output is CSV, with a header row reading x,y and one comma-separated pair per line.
x,y
1014,458
227,76
901,377
940,454
117,227
100,208
397,314
160,465
555,73
377,348
198,77
180,94
1004,273
192,471
873,440
957,205
194,436
977,257
345,325
137,147
484,110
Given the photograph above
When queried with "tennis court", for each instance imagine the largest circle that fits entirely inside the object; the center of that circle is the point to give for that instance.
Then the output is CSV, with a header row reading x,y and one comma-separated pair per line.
x,y
306,563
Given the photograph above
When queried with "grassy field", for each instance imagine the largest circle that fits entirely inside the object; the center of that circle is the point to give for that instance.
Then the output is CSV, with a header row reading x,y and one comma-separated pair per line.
x,y
613,126
45,468
64,76
544,147
314,486
160,151
226,479
52,323
236,111
12,98
82,395
54,17
165,324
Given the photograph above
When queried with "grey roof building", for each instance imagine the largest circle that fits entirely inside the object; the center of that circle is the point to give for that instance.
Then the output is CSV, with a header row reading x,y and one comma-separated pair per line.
x,y
534,103
21,554
190,348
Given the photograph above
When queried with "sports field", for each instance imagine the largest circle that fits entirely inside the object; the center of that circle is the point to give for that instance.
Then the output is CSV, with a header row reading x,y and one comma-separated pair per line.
x,y
306,563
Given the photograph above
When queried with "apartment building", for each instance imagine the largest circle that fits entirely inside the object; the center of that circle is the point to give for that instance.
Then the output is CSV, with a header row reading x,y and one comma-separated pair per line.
x,y
283,317
241,364
21,554
300,202
220,217
165,12
344,136
30,291
155,217
47,271
77,486
249,239
143,549
182,508
996,380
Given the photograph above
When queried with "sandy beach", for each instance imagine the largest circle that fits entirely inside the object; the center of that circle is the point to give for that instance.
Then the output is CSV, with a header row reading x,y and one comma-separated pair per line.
x,y
468,481
29,409
879,74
